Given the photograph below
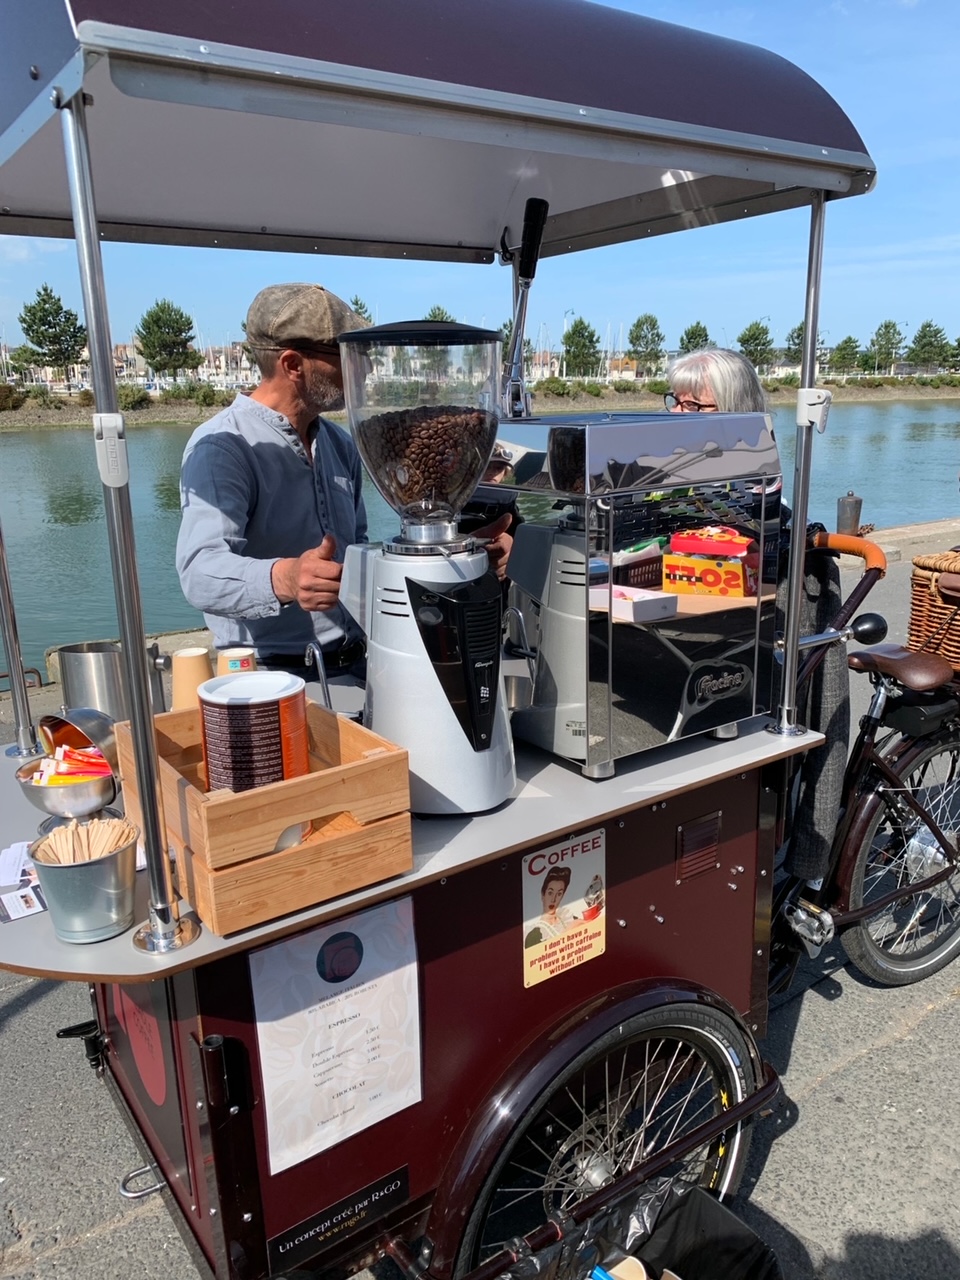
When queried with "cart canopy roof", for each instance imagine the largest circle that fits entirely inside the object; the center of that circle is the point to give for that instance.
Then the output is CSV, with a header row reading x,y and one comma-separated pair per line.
x,y
409,129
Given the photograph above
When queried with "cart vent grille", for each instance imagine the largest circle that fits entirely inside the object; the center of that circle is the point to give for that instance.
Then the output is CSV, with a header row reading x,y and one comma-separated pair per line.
x,y
698,846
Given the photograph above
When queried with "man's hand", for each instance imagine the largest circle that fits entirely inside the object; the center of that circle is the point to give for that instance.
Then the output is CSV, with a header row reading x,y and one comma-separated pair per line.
x,y
313,579
498,542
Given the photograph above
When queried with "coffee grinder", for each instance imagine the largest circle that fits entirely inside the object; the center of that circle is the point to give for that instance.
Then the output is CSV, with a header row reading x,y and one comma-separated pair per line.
x,y
421,398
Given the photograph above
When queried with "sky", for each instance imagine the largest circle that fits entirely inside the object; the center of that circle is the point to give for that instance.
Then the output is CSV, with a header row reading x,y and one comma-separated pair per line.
x,y
892,65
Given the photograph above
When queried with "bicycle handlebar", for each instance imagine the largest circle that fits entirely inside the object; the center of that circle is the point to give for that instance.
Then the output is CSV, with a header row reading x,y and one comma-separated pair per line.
x,y
872,555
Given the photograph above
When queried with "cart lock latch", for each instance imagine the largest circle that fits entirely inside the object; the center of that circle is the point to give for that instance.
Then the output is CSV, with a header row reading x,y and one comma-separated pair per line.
x,y
94,1041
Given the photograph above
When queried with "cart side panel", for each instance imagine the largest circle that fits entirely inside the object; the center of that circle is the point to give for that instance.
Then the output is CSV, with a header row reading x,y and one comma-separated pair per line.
x,y
147,1026
680,903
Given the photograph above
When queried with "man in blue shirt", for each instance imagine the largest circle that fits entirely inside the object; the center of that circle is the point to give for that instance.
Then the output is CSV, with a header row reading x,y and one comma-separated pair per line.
x,y
271,493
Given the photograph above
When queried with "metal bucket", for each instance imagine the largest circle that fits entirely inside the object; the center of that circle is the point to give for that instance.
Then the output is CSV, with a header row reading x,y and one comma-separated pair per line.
x,y
92,675
91,901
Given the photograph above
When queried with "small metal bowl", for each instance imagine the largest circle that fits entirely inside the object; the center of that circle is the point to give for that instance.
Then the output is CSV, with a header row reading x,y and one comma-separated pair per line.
x,y
96,727
72,799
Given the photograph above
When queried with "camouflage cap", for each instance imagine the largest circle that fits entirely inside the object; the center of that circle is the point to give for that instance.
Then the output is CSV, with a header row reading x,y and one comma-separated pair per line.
x,y
297,315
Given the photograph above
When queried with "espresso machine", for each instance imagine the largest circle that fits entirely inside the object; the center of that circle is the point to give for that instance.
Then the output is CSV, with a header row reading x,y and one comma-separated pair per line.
x,y
421,398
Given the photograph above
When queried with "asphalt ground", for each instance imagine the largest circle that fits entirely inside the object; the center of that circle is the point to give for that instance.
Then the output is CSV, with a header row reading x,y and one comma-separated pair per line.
x,y
853,1177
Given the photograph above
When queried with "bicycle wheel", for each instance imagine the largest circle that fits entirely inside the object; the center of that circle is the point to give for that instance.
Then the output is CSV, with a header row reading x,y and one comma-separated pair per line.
x,y
639,1087
918,935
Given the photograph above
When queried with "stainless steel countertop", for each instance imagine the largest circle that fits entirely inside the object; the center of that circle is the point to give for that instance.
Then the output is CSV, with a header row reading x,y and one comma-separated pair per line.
x,y
551,799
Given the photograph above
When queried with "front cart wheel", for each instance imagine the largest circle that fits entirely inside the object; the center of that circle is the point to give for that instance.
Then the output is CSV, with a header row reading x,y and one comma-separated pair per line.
x,y
641,1086
918,935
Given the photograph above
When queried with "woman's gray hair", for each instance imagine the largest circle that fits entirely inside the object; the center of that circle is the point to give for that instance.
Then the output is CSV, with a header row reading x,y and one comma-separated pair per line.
x,y
726,377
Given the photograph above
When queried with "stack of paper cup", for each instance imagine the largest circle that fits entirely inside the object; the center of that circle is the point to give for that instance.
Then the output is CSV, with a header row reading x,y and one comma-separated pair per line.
x,y
231,662
189,668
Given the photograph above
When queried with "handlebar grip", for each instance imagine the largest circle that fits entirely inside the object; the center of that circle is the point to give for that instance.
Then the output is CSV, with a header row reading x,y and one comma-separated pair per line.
x,y
534,220
872,555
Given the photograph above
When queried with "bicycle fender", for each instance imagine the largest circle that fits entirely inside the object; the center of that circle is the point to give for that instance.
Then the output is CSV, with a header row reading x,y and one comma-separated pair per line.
x,y
538,1064
900,756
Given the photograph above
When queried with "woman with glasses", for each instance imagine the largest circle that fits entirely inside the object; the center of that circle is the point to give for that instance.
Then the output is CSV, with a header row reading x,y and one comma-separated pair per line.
x,y
714,380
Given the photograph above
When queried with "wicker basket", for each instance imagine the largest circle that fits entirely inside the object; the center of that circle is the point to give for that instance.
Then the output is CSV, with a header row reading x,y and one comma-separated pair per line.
x,y
934,624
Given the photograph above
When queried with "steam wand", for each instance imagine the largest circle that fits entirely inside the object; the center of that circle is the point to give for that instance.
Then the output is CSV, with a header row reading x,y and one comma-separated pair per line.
x,y
515,400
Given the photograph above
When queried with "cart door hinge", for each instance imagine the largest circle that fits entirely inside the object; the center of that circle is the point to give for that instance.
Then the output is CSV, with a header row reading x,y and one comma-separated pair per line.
x,y
94,1041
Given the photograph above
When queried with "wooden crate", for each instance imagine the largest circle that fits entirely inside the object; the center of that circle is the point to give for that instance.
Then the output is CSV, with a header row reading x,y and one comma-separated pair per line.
x,y
934,624
356,799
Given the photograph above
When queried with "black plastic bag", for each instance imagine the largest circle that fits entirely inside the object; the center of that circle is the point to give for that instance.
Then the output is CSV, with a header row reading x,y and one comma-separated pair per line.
x,y
700,1239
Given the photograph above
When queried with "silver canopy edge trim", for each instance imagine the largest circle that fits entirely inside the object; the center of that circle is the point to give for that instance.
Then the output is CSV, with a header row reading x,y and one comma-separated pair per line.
x,y
265,242
105,37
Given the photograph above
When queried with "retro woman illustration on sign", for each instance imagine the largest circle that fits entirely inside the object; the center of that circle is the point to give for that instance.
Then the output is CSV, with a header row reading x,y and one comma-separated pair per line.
x,y
555,918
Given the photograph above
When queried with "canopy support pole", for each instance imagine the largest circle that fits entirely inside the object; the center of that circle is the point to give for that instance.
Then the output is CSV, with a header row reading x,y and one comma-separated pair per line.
x,y
26,743
163,931
806,421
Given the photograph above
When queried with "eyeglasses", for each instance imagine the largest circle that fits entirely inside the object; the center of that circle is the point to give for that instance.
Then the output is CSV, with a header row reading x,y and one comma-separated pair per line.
x,y
686,405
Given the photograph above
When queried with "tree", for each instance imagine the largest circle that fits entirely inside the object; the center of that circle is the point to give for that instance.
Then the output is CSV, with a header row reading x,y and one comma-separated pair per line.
x,y
756,343
22,359
793,345
885,346
695,338
581,349
506,330
440,313
435,361
163,338
53,331
646,343
358,305
845,354
931,348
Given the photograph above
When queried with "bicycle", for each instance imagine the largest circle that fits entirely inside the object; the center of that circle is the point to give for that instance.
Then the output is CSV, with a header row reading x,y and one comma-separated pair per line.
x,y
892,886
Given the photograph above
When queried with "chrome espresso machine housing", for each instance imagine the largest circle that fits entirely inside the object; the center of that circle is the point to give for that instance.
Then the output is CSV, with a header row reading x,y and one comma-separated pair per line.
x,y
595,676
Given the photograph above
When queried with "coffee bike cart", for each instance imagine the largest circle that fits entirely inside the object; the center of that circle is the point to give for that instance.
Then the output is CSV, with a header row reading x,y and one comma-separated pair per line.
x,y
482,1087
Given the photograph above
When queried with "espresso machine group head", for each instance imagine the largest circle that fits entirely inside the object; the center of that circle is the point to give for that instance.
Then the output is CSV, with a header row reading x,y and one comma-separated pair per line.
x,y
421,398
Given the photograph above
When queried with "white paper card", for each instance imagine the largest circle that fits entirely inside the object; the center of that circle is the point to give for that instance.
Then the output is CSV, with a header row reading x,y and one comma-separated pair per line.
x,y
338,1030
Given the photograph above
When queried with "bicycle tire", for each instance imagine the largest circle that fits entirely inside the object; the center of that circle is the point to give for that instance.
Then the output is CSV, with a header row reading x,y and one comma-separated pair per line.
x,y
916,937
600,1117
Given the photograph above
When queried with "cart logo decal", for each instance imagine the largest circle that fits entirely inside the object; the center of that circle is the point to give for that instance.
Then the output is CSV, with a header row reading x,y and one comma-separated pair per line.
x,y
338,1030
564,920
307,1238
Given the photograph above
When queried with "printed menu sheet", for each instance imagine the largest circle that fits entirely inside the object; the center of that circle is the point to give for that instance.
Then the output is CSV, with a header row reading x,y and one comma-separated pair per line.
x,y
338,1030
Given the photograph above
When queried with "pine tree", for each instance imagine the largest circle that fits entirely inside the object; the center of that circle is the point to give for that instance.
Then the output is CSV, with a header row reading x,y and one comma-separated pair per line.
x,y
358,305
695,338
53,331
756,343
581,349
163,336
646,343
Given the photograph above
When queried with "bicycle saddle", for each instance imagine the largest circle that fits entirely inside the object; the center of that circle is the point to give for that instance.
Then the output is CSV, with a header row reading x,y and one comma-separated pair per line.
x,y
917,671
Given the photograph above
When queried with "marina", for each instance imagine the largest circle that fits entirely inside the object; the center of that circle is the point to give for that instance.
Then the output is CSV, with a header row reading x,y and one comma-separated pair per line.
x,y
51,498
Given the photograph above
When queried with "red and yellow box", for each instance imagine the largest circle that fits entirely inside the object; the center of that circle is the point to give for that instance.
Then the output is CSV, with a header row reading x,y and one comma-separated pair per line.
x,y
713,561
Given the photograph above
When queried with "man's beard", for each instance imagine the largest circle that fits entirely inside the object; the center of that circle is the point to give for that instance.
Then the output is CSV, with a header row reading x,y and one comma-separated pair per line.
x,y
322,393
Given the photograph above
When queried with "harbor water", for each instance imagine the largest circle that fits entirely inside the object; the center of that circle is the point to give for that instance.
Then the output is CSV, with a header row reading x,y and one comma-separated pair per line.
x,y
900,457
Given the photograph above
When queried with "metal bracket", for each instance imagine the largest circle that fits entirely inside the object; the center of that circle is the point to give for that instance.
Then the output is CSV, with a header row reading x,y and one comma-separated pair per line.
x,y
111,444
813,406
129,1193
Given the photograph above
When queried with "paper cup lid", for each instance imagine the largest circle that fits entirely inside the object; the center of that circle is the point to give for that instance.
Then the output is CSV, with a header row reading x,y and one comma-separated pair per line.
x,y
246,688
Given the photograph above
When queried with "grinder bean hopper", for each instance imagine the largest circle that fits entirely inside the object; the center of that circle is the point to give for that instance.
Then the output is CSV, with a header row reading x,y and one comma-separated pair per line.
x,y
421,398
